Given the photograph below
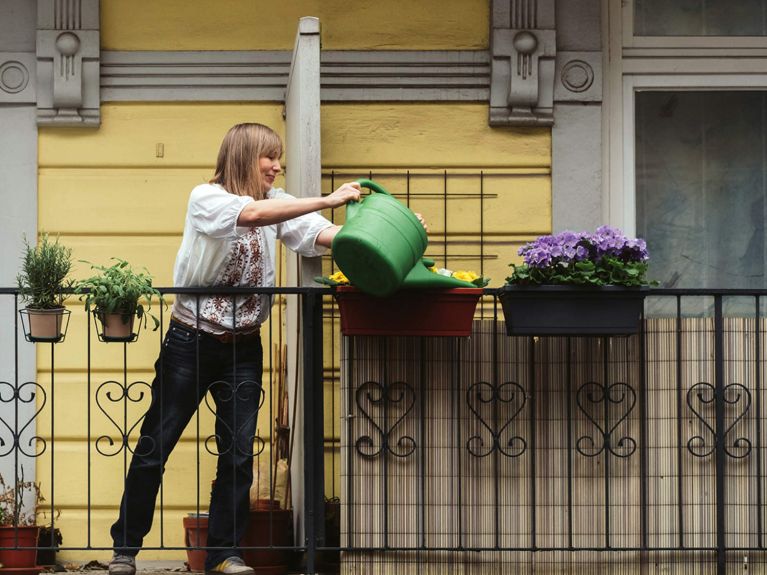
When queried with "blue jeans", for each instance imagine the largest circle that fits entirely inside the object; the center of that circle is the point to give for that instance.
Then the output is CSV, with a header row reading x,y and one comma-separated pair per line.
x,y
175,398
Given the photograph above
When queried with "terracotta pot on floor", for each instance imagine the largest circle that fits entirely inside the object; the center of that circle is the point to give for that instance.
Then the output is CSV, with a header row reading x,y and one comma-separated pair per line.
x,y
265,513
19,561
196,535
269,526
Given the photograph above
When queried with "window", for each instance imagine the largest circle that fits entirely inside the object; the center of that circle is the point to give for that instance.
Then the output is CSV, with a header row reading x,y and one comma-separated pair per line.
x,y
687,130
701,180
700,17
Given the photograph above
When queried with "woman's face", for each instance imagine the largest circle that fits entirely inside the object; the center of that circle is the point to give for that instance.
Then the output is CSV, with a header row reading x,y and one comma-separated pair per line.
x,y
270,168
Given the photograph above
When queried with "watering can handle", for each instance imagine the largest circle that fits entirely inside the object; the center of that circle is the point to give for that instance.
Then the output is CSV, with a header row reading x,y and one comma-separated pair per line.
x,y
352,207
371,185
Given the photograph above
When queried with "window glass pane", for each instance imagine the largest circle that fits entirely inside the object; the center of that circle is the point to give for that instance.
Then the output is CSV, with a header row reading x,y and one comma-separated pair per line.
x,y
700,17
700,187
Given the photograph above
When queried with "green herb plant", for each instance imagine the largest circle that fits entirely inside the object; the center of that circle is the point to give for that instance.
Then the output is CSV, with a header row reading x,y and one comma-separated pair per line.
x,y
42,280
118,289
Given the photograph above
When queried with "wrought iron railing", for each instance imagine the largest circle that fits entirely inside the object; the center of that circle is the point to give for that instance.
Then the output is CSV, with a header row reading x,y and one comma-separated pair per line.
x,y
107,390
627,451
619,451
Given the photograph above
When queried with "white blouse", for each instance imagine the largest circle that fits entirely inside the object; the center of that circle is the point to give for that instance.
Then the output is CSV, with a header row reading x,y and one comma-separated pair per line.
x,y
215,251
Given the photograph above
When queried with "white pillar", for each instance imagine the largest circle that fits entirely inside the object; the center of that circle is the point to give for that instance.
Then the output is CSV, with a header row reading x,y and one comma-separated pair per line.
x,y
303,179
18,216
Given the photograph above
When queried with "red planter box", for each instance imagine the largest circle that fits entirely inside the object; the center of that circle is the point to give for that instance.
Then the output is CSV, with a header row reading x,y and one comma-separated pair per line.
x,y
442,312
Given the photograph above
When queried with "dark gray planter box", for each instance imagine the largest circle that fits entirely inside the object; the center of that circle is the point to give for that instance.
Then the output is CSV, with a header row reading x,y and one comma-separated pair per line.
x,y
572,310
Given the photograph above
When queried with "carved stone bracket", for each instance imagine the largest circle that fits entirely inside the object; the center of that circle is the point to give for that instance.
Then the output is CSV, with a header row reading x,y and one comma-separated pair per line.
x,y
523,51
68,62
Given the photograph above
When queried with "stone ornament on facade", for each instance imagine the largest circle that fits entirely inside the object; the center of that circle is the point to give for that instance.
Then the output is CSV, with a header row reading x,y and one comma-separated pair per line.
x,y
523,51
17,85
578,77
68,62
14,77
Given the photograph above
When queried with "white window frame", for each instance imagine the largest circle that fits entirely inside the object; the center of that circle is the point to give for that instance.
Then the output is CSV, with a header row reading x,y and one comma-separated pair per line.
x,y
681,41
665,63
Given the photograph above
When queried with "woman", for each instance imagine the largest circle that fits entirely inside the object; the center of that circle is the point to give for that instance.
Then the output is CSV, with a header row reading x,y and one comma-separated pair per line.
x,y
213,342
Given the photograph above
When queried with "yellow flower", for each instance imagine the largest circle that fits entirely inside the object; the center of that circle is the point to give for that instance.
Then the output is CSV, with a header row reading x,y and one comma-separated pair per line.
x,y
339,277
433,269
465,276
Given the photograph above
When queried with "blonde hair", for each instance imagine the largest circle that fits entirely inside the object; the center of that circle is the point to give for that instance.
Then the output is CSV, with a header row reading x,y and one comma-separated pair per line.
x,y
237,165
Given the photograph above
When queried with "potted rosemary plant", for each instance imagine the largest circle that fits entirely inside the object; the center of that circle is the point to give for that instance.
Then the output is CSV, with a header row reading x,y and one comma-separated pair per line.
x,y
42,283
577,283
118,296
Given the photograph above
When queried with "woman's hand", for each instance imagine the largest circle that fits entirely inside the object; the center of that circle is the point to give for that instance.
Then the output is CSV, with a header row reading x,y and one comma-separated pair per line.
x,y
348,192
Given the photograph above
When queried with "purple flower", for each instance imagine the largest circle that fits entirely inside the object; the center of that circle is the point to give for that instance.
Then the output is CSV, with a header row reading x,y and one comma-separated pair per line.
x,y
568,247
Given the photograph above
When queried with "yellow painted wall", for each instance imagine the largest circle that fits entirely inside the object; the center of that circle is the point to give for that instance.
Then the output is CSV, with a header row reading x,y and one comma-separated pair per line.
x,y
107,194
346,25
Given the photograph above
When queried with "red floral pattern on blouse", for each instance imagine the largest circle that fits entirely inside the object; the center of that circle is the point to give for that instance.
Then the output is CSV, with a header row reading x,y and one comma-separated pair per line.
x,y
244,268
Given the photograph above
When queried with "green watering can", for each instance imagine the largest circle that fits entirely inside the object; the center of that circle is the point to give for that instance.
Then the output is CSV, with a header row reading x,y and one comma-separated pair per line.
x,y
381,245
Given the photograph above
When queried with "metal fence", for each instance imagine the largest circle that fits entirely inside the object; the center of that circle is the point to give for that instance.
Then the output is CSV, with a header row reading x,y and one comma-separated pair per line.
x,y
76,422
575,455
554,454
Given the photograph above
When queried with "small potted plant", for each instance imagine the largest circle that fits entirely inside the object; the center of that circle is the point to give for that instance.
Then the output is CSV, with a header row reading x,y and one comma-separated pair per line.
x,y
42,283
18,524
48,542
118,295
577,283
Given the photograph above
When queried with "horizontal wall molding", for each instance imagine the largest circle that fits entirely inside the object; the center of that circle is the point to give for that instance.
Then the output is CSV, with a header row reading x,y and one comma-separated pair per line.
x,y
262,76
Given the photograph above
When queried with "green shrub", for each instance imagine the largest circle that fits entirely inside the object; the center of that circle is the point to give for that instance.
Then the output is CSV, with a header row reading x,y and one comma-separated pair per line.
x,y
119,289
44,269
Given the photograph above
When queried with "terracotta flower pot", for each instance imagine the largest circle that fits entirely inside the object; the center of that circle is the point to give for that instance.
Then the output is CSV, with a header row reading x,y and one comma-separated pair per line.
x,y
45,325
115,327
269,526
19,559
196,535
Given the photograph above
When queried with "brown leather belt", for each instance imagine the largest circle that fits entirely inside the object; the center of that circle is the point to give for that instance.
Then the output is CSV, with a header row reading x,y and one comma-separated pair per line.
x,y
226,337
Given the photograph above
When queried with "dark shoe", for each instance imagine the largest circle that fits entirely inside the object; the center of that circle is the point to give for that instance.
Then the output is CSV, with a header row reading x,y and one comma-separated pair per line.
x,y
122,565
231,566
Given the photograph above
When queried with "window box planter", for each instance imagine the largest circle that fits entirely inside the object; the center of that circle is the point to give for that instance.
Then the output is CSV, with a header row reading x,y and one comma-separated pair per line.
x,y
572,310
438,312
